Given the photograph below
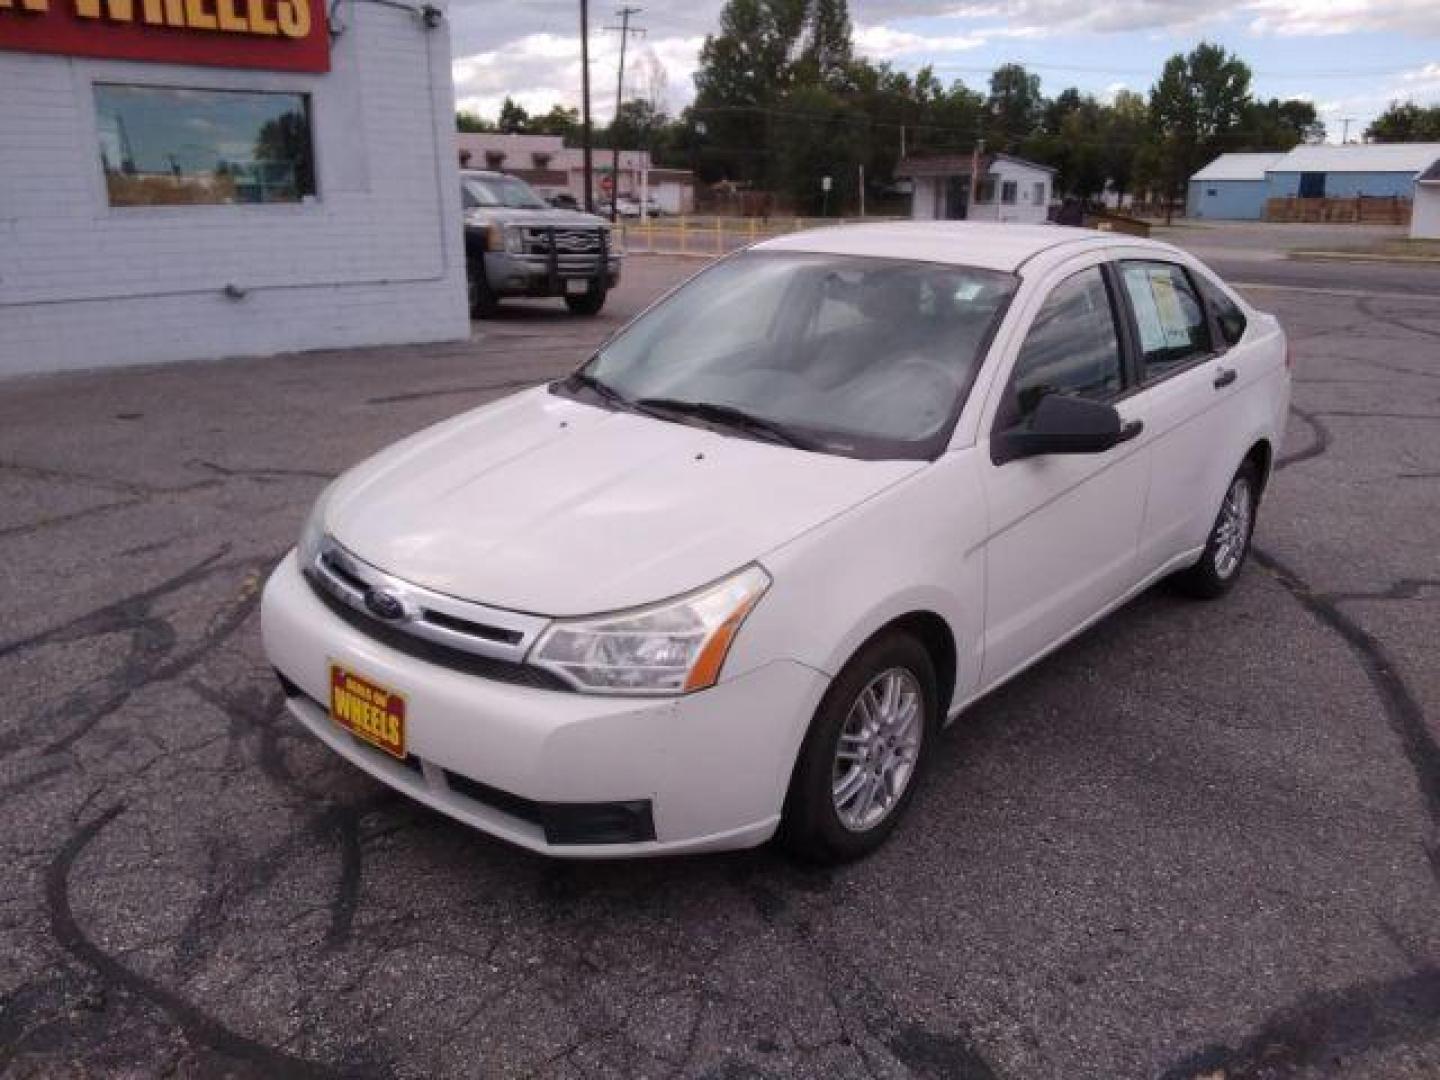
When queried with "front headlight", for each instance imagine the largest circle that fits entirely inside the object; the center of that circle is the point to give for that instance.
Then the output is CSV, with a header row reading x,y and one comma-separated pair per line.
x,y
509,238
308,550
672,647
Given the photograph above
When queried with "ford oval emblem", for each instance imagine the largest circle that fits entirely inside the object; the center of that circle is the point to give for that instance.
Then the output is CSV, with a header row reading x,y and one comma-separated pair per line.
x,y
384,606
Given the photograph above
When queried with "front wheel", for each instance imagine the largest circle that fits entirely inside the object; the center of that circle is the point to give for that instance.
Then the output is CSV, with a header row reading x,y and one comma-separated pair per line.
x,y
857,769
588,303
483,303
1229,541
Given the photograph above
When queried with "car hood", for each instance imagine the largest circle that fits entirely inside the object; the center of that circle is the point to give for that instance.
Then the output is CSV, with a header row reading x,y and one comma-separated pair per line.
x,y
554,218
543,504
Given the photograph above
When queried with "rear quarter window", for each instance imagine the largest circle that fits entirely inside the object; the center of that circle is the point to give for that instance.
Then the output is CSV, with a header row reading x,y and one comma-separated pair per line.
x,y
1227,313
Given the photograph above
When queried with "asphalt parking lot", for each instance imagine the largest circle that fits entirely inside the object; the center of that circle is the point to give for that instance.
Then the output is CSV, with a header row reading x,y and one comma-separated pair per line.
x,y
1201,841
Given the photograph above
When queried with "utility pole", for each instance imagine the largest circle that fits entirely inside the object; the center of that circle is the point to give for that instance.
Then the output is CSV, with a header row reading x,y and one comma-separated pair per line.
x,y
585,105
625,31
1345,131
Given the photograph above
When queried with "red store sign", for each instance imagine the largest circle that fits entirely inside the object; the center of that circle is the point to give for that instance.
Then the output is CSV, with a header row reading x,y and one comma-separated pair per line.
x,y
279,35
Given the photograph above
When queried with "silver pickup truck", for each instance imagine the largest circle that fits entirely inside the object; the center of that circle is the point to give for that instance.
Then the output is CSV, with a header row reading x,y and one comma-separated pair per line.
x,y
518,245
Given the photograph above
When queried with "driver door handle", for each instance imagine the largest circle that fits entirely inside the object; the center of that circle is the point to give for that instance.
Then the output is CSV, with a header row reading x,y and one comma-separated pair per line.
x,y
1224,377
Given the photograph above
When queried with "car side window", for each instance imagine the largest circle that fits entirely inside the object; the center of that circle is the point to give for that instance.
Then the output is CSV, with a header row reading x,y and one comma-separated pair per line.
x,y
1168,316
1227,313
1072,347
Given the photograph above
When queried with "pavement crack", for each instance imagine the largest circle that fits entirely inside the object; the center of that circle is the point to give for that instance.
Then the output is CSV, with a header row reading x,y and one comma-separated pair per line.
x,y
201,1029
1398,702
1321,1030
1315,449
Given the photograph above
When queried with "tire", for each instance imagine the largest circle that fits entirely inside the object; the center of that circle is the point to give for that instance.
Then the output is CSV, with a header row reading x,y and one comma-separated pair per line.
x,y
483,303
1221,562
588,304
814,827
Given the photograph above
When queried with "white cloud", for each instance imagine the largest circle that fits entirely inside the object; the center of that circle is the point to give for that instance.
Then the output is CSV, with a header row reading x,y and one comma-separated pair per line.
x,y
543,69
1331,17
886,43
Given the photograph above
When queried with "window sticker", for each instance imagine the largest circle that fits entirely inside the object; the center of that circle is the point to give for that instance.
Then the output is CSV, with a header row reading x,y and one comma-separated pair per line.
x,y
1147,315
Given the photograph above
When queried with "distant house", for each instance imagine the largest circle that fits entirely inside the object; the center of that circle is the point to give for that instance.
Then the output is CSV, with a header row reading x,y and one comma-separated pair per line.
x,y
1237,186
1425,221
1006,189
1231,188
552,168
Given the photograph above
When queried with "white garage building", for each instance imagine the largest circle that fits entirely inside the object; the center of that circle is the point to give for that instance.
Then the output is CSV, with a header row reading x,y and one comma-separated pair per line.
x,y
215,178
1425,218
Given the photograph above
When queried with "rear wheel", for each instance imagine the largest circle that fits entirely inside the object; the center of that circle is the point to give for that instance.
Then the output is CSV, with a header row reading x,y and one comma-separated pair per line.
x,y
588,303
483,303
866,746
1229,541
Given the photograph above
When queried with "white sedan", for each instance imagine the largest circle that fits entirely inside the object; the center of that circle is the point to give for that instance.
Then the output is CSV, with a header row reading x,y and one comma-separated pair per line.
x,y
731,577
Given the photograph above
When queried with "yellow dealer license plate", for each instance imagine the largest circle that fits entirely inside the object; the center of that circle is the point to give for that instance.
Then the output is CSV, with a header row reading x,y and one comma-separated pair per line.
x,y
368,710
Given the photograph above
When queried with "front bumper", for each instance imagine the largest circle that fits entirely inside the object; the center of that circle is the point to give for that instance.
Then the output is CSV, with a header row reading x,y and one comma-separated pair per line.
x,y
713,767
532,275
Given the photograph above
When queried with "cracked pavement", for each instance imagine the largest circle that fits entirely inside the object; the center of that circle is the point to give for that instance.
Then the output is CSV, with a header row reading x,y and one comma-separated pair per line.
x,y
1201,841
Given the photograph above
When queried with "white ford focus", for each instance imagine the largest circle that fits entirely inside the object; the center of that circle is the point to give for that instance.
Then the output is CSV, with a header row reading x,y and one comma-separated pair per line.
x,y
733,575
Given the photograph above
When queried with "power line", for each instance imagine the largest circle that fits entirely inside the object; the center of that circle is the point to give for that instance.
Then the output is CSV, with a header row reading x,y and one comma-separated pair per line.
x,y
625,30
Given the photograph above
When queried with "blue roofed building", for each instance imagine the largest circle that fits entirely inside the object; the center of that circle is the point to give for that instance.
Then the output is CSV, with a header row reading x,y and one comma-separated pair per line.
x,y
1376,170
1237,187
1230,188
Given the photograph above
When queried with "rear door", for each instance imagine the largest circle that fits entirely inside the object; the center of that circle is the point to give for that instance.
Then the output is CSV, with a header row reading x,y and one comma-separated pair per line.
x,y
1063,528
1185,395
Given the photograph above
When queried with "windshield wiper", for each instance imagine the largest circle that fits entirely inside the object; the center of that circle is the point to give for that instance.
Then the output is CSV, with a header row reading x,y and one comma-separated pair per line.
x,y
728,416
603,390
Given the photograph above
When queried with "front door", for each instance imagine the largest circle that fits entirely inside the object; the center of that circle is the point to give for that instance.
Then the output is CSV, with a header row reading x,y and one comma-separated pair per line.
x,y
1183,401
957,198
1063,527
1312,185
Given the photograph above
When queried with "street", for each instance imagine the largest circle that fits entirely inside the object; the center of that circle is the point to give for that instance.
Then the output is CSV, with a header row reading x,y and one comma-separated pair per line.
x,y
1203,840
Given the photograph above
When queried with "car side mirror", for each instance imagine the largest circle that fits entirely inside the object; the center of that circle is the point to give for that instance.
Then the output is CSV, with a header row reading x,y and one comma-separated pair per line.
x,y
1062,424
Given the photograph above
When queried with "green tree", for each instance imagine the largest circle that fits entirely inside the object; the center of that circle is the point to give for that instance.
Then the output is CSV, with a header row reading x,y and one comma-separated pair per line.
x,y
1196,107
743,72
636,126
513,118
469,121
819,134
1125,125
1405,122
558,121
1015,107
1279,125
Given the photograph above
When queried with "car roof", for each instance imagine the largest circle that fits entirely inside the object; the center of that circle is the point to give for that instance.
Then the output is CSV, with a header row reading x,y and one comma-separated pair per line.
x,y
1002,246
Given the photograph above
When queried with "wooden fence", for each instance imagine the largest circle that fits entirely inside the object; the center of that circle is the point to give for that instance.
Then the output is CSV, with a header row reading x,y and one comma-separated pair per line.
x,y
1362,209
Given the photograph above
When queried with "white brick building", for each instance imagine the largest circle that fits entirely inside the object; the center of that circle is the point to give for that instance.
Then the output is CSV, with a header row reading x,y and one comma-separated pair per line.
x,y
282,210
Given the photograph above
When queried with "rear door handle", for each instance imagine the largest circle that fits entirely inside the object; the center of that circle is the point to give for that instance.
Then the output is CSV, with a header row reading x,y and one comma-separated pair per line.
x,y
1224,378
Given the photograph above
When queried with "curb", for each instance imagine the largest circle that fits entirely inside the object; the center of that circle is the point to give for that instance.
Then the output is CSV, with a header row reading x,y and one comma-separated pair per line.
x,y
1360,256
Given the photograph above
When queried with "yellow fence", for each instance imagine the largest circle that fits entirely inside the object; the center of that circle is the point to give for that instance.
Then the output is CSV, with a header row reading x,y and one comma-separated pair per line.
x,y
699,235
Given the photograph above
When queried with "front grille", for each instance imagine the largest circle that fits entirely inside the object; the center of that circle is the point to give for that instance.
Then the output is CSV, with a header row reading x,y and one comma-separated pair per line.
x,y
485,667
566,241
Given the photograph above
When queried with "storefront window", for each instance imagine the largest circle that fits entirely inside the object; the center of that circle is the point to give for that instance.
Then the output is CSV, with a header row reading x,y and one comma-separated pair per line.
x,y
168,146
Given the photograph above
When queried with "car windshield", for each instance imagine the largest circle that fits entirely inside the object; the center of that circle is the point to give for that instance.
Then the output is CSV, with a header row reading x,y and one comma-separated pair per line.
x,y
503,191
866,357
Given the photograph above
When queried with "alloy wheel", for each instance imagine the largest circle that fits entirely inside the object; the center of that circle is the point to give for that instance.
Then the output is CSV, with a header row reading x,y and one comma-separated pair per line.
x,y
1232,531
878,749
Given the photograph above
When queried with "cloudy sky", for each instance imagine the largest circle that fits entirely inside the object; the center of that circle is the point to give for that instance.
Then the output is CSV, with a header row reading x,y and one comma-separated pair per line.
x,y
1351,57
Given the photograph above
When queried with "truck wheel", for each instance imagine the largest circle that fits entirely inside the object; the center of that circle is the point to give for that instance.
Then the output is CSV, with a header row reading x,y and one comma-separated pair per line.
x,y
482,301
589,304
